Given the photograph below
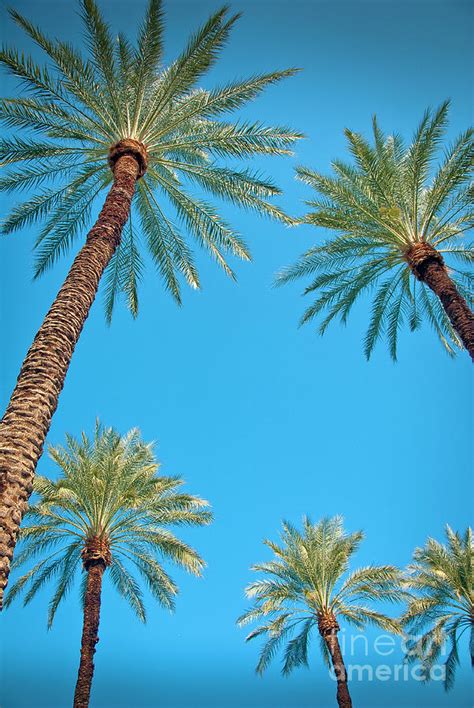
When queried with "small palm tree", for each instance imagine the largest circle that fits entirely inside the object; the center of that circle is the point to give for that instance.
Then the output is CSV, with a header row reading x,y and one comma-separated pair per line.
x,y
395,224
304,589
441,608
107,512
119,121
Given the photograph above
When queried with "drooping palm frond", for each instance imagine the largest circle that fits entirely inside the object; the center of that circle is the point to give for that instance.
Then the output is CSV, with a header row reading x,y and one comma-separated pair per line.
x,y
441,608
389,199
75,108
108,489
309,578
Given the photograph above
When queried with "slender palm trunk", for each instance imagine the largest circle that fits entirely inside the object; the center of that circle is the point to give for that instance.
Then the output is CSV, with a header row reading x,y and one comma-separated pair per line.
x,y
26,422
90,629
342,695
328,628
429,267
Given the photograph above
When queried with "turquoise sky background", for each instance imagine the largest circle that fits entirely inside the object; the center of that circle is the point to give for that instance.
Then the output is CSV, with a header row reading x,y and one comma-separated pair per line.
x,y
264,420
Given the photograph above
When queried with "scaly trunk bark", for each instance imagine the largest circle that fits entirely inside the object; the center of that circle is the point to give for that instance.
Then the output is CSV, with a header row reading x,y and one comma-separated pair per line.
x,y
90,629
26,422
342,695
428,266
328,629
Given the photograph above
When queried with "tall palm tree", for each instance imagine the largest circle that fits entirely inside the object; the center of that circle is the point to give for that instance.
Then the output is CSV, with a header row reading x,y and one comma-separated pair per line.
x,y
441,608
117,121
107,512
395,223
304,589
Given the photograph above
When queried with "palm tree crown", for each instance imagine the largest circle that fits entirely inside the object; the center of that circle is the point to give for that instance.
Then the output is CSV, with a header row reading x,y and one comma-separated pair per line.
x,y
390,213
442,605
108,504
82,107
304,588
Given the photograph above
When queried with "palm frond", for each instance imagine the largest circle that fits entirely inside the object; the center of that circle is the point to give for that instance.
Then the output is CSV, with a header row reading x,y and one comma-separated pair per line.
x,y
381,206
108,488
77,105
304,583
441,604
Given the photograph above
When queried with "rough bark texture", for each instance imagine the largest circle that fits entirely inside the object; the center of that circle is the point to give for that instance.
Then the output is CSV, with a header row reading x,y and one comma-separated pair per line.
x,y
95,570
26,422
96,549
328,628
428,266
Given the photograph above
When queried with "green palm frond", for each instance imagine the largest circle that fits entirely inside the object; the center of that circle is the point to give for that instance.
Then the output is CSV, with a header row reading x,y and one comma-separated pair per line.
x,y
390,198
75,107
108,488
441,606
308,579
361,616
124,273
296,652
128,588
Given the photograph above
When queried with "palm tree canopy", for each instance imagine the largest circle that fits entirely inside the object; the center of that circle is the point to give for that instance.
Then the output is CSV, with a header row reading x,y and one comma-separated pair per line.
x,y
392,198
108,496
309,580
80,106
441,608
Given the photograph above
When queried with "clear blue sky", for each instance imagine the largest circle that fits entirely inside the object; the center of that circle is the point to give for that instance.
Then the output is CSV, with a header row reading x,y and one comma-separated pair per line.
x,y
264,420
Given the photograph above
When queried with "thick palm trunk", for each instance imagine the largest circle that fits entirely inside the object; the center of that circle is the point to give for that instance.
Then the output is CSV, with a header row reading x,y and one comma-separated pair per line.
x,y
26,422
428,266
90,629
342,695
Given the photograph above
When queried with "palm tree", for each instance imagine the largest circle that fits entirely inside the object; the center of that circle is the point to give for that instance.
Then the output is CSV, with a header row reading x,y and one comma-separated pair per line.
x,y
107,511
117,120
304,588
395,224
441,608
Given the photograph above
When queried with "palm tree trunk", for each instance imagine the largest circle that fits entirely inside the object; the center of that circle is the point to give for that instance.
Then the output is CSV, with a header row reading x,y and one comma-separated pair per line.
x,y
26,422
342,695
90,629
429,267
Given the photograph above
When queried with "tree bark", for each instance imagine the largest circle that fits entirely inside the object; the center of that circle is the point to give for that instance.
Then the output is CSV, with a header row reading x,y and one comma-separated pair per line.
x,y
90,629
26,422
342,695
428,266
